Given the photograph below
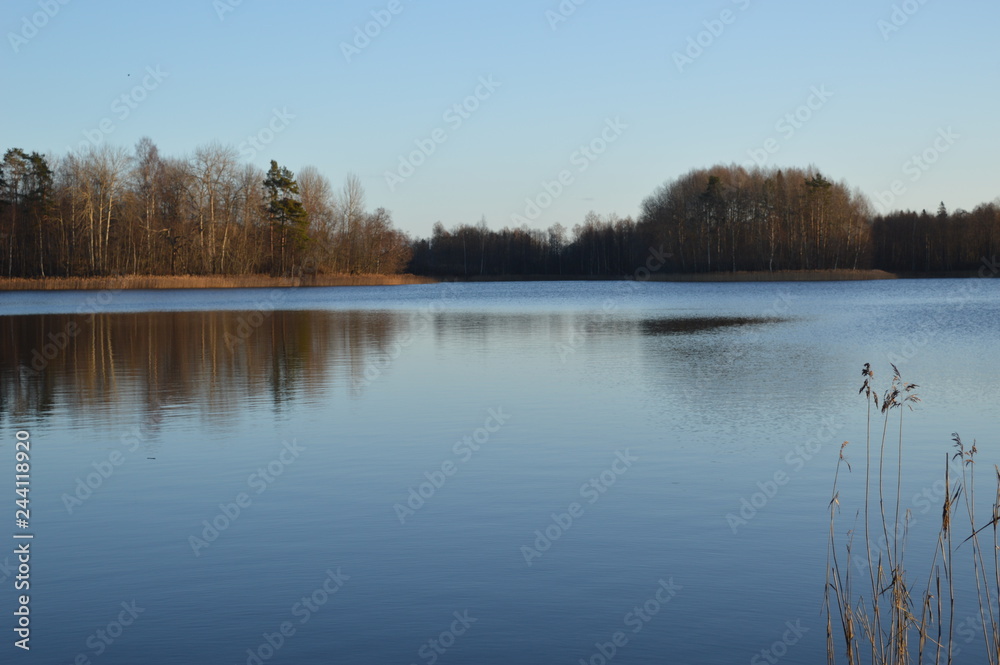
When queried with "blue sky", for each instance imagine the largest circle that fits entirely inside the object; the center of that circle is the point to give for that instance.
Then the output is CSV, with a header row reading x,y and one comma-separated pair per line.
x,y
921,82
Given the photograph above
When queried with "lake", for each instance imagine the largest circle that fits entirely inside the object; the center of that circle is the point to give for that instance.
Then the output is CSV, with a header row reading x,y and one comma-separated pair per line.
x,y
472,473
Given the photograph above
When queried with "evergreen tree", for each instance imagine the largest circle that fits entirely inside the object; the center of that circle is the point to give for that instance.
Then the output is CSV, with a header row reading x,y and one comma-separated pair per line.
x,y
289,222
26,192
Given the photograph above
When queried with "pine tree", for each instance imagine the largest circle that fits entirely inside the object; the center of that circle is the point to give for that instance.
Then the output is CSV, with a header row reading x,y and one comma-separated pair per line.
x,y
289,221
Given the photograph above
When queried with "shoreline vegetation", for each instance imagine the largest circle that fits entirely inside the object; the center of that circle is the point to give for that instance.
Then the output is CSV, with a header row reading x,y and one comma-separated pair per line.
x,y
880,607
166,282
213,220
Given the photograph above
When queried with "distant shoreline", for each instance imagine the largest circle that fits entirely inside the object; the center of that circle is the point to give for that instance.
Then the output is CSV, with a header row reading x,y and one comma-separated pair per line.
x,y
747,276
157,282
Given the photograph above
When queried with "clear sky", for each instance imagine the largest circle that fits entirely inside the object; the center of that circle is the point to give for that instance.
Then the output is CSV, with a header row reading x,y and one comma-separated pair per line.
x,y
886,82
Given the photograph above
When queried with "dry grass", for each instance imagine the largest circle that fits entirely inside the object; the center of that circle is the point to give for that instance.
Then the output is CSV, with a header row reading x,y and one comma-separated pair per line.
x,y
202,282
887,622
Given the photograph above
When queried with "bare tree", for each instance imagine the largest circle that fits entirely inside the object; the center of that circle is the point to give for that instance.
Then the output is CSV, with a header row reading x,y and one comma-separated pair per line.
x,y
350,212
316,195
213,175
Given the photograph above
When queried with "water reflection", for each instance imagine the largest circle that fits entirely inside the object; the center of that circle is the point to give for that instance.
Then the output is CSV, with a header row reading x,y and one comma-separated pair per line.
x,y
219,361
684,325
378,399
215,359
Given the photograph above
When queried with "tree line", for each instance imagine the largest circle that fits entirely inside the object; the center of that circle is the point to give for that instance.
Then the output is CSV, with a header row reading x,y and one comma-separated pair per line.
x,y
957,241
726,219
600,246
108,211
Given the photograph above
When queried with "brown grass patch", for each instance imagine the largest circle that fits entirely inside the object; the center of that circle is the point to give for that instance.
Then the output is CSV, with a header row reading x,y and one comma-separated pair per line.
x,y
203,282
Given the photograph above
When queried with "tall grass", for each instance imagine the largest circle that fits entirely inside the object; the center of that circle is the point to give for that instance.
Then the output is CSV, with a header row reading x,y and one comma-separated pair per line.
x,y
882,620
202,282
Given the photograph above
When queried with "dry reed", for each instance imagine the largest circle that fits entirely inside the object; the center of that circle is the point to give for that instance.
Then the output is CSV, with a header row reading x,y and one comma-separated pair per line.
x,y
203,282
879,625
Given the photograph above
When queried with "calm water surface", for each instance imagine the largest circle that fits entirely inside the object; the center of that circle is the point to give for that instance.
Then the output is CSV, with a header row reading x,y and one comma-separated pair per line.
x,y
480,473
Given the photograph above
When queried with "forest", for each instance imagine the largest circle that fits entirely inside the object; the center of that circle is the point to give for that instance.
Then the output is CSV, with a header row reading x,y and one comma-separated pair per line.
x,y
107,211
727,219
110,212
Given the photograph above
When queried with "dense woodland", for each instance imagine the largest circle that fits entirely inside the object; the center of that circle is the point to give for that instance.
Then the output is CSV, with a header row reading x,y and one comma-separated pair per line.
x,y
111,212
108,211
727,219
